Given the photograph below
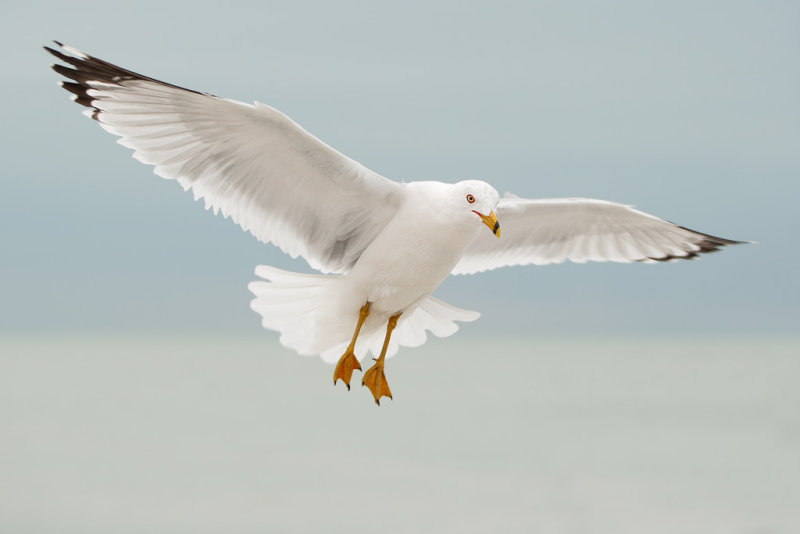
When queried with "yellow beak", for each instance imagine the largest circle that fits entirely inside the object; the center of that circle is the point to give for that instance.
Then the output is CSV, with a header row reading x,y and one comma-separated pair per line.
x,y
491,222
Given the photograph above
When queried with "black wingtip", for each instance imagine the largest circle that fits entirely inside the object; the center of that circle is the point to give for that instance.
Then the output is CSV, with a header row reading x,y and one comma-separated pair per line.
x,y
707,244
83,70
53,51
711,239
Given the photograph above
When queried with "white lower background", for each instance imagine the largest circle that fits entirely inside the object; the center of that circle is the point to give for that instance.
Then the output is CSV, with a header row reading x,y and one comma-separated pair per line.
x,y
484,435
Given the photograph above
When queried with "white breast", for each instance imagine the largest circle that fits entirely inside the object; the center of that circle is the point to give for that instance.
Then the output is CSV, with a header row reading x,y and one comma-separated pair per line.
x,y
413,255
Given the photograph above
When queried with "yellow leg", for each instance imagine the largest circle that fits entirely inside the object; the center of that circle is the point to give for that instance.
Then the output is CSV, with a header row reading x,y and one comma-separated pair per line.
x,y
348,362
374,378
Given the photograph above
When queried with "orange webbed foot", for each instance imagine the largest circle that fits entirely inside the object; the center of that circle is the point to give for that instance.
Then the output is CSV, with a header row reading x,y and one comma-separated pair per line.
x,y
345,367
375,380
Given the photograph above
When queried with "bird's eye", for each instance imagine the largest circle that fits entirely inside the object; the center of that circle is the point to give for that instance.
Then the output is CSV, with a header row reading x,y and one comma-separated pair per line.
x,y
470,199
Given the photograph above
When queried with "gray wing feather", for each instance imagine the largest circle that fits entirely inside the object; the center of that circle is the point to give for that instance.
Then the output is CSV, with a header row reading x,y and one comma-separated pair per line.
x,y
547,231
250,162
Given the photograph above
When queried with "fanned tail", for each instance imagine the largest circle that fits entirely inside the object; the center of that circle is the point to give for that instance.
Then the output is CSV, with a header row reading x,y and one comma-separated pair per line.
x,y
289,303
431,315
308,313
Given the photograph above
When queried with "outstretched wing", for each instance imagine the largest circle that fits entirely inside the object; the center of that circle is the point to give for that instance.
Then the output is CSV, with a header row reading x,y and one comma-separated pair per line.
x,y
250,162
578,229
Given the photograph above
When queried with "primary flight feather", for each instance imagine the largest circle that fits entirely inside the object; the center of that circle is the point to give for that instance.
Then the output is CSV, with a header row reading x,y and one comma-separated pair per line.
x,y
383,246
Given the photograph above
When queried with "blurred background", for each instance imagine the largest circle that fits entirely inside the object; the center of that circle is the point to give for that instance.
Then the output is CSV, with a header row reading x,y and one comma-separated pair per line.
x,y
138,391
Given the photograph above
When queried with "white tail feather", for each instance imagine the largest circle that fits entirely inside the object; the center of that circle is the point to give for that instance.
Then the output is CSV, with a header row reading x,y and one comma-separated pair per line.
x,y
312,319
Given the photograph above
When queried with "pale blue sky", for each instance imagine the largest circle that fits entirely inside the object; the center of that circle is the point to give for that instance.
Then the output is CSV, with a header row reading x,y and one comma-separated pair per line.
x,y
688,110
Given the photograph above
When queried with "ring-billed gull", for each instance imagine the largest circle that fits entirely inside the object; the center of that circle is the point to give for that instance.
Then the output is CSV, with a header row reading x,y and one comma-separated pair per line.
x,y
382,246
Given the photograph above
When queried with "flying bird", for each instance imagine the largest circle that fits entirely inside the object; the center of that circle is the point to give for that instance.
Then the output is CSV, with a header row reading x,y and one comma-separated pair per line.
x,y
382,246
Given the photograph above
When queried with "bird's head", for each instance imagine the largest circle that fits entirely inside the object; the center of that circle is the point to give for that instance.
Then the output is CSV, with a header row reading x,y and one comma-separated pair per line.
x,y
479,200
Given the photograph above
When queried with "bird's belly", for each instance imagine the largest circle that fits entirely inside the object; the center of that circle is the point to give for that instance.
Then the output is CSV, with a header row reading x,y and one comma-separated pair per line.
x,y
396,272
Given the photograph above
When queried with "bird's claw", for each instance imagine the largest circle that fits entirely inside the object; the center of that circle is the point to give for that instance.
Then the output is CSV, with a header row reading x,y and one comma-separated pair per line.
x,y
345,367
375,380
